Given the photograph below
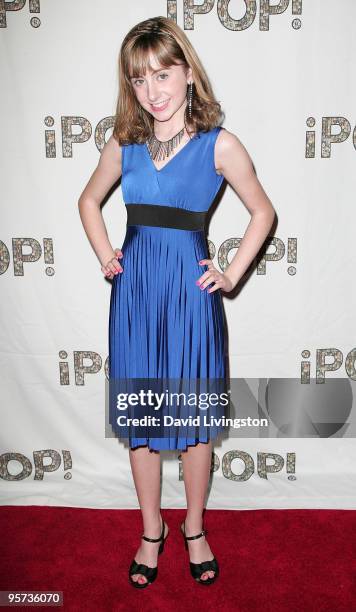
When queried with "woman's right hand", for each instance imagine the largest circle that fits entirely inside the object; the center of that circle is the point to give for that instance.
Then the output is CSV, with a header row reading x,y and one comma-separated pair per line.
x,y
113,267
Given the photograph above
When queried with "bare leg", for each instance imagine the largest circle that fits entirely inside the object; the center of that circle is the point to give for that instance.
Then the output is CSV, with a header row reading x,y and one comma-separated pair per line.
x,y
146,468
196,471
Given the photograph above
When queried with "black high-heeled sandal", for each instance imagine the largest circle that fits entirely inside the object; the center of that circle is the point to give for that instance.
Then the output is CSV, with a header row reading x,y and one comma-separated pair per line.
x,y
150,573
197,569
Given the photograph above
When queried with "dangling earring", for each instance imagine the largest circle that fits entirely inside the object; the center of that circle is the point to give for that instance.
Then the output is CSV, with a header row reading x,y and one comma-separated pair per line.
x,y
190,96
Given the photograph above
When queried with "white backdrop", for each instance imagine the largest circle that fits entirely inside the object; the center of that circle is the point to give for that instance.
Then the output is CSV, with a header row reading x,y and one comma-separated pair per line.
x,y
280,70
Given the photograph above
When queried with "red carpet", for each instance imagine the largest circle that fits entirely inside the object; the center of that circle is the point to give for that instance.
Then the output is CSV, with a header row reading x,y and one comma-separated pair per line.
x,y
270,560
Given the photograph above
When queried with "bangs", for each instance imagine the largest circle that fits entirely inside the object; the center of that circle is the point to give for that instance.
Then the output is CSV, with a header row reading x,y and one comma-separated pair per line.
x,y
138,60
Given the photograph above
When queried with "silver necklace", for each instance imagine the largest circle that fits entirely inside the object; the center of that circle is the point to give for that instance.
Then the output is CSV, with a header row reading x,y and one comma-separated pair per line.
x,y
159,149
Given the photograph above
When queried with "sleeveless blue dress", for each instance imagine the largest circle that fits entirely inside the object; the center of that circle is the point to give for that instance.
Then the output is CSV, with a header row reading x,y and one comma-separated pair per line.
x,y
161,324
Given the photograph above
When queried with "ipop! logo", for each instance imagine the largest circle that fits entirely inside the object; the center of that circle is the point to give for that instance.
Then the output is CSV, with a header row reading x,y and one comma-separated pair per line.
x,y
41,468
69,136
280,250
20,257
17,5
251,10
267,463
328,135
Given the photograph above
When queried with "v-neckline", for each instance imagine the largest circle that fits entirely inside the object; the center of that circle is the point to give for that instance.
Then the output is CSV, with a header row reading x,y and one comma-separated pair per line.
x,y
172,158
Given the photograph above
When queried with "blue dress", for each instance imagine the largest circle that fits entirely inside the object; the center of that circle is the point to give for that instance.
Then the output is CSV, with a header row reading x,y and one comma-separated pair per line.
x,y
161,324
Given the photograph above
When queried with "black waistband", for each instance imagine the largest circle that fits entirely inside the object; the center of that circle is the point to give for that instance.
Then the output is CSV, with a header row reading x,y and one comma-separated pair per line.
x,y
165,216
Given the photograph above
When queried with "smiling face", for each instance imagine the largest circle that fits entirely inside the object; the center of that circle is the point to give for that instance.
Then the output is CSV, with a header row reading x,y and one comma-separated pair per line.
x,y
162,91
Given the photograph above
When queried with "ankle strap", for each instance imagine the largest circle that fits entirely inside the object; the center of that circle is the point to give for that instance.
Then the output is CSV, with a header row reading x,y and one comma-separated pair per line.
x,y
155,539
152,539
195,537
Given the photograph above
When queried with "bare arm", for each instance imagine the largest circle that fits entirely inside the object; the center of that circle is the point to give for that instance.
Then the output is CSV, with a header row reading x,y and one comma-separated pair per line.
x,y
107,172
233,161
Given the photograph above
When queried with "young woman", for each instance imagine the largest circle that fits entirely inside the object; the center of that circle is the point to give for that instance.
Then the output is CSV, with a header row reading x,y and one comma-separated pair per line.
x,y
166,312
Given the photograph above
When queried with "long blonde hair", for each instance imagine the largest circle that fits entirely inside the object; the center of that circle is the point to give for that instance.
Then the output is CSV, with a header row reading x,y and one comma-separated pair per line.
x,y
167,41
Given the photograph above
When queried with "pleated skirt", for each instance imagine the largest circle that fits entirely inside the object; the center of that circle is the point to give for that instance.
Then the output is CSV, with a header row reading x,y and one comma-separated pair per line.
x,y
162,325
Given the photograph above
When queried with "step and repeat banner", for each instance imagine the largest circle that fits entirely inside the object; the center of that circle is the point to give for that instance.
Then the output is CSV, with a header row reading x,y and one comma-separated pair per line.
x,y
283,73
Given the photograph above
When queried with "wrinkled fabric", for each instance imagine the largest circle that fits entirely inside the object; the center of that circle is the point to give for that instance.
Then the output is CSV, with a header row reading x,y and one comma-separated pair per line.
x,y
161,324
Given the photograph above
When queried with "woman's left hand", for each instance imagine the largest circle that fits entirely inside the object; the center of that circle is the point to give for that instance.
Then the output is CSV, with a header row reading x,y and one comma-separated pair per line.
x,y
212,275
